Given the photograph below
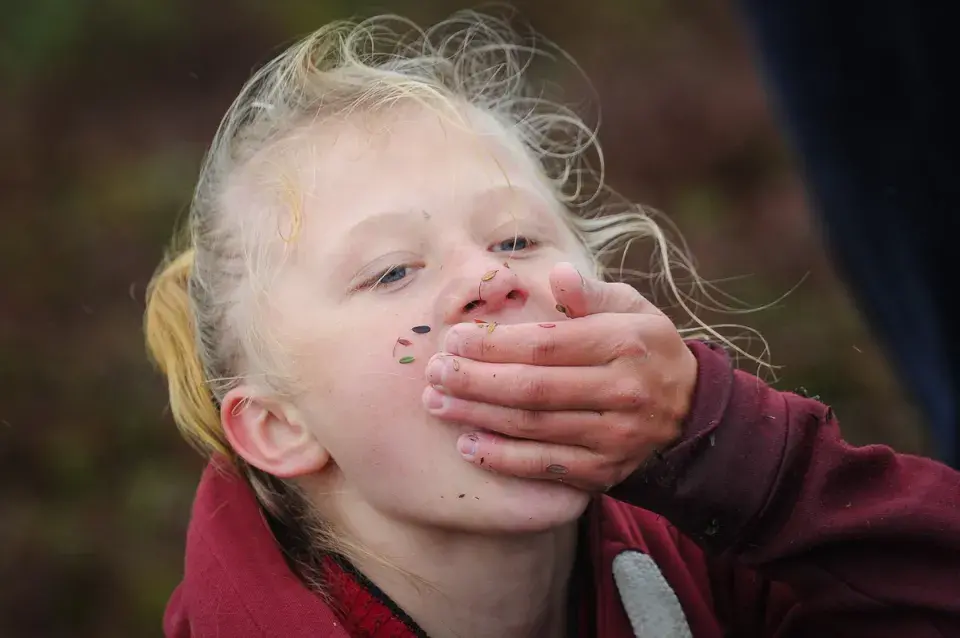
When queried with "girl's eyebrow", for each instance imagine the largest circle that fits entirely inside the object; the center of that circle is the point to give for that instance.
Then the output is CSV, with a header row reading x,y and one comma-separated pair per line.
x,y
341,250
383,222
508,194
480,203
504,204
487,205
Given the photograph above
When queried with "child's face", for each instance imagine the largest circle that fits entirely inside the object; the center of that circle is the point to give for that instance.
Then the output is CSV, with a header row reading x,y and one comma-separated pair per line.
x,y
428,209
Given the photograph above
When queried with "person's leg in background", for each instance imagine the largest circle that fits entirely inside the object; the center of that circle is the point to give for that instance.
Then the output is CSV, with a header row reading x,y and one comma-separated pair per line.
x,y
868,93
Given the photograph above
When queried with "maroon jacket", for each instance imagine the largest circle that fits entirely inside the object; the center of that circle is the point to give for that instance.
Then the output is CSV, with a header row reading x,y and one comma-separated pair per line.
x,y
776,528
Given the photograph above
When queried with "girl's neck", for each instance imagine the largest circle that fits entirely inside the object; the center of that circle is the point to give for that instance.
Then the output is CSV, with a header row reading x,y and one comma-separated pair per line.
x,y
456,585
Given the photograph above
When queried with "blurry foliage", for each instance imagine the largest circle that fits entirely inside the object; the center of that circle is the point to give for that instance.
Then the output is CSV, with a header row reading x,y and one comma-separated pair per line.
x,y
35,34
108,105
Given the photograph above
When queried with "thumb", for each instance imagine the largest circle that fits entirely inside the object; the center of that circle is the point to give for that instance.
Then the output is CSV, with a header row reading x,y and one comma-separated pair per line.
x,y
579,296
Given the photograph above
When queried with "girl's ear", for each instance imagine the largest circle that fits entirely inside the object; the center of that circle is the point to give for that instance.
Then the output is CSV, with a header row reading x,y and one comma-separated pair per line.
x,y
270,436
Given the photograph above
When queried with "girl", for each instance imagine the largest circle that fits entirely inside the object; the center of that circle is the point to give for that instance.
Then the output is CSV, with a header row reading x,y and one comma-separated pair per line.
x,y
428,416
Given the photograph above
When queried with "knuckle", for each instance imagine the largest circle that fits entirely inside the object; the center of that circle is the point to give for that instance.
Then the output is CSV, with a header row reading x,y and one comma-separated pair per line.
x,y
675,412
631,339
533,389
630,346
673,405
532,465
639,330
602,476
630,392
543,348
624,291
529,421
485,346
543,460
619,427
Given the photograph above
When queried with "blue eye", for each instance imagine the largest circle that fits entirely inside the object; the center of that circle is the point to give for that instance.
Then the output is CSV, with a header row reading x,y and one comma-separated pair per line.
x,y
388,277
514,244
393,275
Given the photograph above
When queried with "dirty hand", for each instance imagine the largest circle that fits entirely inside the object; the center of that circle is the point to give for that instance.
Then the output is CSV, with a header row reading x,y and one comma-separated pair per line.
x,y
584,401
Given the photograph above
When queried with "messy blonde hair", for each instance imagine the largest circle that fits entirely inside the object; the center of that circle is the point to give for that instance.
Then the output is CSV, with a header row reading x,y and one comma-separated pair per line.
x,y
204,324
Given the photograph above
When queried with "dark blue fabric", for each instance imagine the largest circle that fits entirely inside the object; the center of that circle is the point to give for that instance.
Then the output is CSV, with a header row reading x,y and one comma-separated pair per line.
x,y
867,91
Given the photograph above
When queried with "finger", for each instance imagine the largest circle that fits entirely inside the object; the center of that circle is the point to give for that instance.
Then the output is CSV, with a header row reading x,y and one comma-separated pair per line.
x,y
579,296
531,387
593,340
536,460
585,428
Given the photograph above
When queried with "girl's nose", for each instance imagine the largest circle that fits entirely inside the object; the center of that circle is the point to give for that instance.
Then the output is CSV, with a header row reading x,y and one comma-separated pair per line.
x,y
485,290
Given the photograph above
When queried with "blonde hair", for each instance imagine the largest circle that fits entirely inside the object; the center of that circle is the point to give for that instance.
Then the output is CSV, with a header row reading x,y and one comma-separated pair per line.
x,y
204,310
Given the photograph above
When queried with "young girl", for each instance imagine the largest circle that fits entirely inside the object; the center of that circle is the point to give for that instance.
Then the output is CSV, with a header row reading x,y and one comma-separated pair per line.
x,y
428,416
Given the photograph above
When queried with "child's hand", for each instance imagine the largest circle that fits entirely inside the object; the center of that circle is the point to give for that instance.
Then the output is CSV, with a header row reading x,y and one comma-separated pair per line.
x,y
584,401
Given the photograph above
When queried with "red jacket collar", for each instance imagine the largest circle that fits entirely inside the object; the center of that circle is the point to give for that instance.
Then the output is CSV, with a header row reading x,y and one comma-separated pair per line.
x,y
366,611
237,582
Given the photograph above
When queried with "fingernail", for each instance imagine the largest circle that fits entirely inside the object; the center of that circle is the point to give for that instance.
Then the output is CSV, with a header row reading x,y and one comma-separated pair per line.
x,y
467,444
434,400
437,370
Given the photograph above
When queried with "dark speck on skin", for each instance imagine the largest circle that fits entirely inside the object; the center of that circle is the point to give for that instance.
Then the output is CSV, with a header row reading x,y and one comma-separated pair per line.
x,y
461,496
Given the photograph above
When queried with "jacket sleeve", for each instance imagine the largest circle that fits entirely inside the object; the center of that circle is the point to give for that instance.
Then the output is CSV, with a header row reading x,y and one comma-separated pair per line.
x,y
865,540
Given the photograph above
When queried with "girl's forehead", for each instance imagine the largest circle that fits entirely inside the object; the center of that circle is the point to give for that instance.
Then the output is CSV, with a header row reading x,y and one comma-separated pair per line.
x,y
412,158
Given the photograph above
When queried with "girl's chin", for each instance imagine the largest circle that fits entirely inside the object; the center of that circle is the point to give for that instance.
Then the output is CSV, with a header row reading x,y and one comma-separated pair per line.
x,y
541,504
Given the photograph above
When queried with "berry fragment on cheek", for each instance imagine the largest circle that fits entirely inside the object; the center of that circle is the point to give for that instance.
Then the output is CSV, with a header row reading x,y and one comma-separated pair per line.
x,y
400,342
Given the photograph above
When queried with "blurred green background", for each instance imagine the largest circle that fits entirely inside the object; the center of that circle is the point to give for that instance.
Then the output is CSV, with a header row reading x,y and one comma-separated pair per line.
x,y
107,107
